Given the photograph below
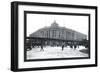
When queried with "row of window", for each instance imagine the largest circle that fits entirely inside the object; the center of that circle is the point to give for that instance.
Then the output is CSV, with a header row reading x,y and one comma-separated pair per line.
x,y
55,33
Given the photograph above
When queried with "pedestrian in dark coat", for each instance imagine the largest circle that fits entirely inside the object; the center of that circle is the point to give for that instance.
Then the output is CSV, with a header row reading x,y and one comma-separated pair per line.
x,y
41,48
62,46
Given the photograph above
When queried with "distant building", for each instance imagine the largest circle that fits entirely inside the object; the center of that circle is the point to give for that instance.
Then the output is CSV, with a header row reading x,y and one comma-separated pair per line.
x,y
56,32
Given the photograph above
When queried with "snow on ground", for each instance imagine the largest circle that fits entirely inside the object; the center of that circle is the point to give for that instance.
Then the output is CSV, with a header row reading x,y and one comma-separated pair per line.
x,y
55,52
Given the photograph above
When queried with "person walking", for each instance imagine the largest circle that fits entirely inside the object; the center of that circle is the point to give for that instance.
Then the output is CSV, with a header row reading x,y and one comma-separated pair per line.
x,y
62,46
75,47
42,46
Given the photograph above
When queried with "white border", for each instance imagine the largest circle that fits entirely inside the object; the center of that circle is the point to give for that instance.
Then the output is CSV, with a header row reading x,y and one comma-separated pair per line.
x,y
34,64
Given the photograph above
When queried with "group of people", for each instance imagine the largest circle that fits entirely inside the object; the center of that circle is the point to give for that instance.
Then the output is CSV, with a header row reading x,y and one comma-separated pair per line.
x,y
63,45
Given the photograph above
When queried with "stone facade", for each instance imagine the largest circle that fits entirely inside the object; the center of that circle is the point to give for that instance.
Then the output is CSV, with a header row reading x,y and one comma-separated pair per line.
x,y
57,32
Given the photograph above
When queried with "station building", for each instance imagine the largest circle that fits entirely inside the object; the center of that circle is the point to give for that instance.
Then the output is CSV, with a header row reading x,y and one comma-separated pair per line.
x,y
56,32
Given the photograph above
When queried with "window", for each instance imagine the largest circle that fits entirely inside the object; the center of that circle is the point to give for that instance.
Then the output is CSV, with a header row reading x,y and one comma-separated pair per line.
x,y
42,33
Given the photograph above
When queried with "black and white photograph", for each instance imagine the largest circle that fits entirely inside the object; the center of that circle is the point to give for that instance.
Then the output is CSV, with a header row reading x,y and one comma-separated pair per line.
x,y
58,35
52,36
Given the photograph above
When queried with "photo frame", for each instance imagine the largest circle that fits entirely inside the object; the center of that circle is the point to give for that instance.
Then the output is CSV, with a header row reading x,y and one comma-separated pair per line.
x,y
52,36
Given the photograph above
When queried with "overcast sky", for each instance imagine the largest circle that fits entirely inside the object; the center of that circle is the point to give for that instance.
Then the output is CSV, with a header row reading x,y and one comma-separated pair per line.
x,y
37,21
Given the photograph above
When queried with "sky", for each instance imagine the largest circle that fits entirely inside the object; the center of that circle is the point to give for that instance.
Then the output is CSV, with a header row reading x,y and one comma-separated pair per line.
x,y
37,21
